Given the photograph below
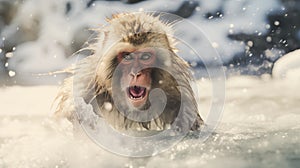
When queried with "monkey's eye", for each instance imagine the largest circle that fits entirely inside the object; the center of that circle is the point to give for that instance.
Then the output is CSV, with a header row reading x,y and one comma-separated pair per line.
x,y
127,56
146,56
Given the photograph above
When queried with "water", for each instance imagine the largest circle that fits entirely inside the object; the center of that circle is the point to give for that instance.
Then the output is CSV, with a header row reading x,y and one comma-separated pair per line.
x,y
259,128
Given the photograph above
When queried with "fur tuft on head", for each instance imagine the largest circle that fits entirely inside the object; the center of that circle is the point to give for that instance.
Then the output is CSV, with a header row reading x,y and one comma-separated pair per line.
x,y
138,28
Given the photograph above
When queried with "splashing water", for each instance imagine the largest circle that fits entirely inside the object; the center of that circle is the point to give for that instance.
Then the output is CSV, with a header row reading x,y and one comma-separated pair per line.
x,y
259,128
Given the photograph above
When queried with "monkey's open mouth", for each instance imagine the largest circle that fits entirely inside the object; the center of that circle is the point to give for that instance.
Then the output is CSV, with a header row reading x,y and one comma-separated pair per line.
x,y
136,92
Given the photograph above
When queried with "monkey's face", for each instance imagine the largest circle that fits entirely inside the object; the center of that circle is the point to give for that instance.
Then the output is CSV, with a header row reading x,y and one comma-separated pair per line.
x,y
136,74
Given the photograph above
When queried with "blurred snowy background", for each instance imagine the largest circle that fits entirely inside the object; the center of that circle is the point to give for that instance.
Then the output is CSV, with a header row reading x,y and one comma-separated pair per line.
x,y
38,36
260,122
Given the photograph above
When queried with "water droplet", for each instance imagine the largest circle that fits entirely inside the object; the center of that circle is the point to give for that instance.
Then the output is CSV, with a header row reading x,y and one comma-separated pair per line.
x,y
11,73
269,39
0,50
194,64
250,43
215,45
9,55
276,23
107,106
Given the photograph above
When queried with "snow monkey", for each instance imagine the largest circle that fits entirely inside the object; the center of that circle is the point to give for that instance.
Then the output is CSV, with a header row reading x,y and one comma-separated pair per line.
x,y
133,79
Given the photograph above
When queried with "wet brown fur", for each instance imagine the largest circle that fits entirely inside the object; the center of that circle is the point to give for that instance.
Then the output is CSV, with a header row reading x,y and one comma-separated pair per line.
x,y
92,76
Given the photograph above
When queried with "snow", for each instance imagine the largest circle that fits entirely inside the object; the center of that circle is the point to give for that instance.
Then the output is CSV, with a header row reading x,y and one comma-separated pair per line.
x,y
289,65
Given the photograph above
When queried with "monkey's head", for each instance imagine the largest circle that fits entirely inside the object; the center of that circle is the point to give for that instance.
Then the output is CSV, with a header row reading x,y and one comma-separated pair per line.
x,y
141,45
133,65
137,60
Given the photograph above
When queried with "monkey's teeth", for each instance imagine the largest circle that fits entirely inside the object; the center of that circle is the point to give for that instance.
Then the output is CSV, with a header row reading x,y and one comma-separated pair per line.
x,y
136,92
135,98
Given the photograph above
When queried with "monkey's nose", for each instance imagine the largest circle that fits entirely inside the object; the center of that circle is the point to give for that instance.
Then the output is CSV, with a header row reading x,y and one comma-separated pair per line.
x,y
135,74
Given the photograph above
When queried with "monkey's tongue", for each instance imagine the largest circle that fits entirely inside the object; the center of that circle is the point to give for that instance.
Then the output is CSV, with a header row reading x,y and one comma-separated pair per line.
x,y
137,91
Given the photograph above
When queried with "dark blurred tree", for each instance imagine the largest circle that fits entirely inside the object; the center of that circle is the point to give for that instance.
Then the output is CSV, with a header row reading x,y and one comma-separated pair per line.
x,y
186,9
